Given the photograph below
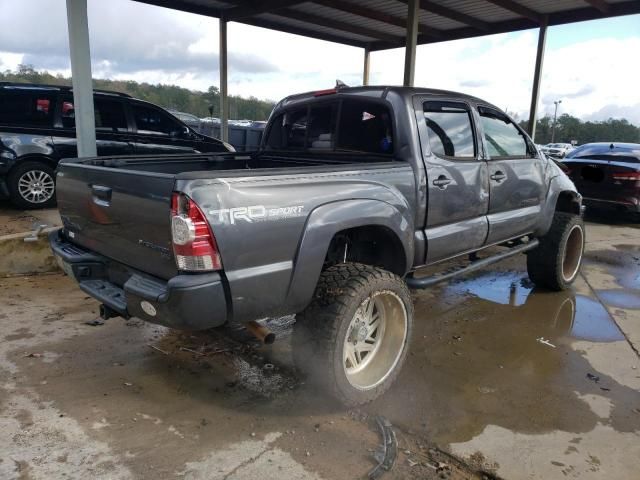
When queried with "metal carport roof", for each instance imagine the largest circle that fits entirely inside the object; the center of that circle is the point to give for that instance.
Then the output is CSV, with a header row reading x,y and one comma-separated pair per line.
x,y
381,24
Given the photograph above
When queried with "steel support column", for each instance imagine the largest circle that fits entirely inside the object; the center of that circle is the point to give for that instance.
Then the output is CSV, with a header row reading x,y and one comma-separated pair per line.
x,y
413,9
366,67
537,75
224,94
80,52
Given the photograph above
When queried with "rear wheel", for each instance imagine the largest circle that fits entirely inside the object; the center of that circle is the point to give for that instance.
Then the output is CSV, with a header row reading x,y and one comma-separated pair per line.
x,y
556,262
353,338
32,185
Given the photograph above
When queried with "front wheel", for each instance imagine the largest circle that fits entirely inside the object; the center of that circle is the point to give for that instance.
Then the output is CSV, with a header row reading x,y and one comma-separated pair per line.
x,y
353,338
555,263
32,185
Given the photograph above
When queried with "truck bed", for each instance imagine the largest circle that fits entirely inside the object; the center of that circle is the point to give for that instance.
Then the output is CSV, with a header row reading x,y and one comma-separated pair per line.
x,y
120,206
179,164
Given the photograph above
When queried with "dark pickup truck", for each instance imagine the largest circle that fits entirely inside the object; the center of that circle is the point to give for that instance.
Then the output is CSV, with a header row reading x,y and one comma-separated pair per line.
x,y
352,191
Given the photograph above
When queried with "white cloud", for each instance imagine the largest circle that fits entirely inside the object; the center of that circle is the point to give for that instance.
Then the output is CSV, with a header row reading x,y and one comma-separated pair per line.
x,y
589,77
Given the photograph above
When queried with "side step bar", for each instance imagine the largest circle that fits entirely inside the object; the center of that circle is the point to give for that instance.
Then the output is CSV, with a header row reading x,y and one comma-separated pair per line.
x,y
424,282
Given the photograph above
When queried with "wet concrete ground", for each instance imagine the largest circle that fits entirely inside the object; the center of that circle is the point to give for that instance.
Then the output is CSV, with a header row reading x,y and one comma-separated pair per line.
x,y
512,381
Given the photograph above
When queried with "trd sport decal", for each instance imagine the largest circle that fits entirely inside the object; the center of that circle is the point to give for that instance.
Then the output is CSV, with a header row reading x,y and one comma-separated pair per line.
x,y
254,213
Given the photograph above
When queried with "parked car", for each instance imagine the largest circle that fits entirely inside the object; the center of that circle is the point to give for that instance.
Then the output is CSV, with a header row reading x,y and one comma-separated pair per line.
x,y
352,191
557,150
37,129
607,174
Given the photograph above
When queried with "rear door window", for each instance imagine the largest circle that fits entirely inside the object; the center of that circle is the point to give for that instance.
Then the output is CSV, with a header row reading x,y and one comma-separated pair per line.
x,y
153,121
27,109
109,114
503,139
450,129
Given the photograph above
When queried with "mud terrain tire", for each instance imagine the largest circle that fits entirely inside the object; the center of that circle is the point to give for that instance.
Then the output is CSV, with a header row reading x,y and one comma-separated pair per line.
x,y
556,262
352,339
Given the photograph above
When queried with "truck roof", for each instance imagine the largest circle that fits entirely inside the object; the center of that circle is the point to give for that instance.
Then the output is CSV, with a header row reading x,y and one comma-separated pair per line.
x,y
381,91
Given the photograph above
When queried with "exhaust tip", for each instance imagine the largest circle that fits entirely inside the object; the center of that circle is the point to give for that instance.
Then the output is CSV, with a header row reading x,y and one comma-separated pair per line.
x,y
261,332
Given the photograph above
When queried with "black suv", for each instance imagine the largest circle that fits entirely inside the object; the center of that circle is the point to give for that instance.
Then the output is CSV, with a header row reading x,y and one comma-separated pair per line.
x,y
37,129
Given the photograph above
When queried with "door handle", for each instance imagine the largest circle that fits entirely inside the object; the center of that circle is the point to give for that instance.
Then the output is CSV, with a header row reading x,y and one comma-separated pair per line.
x,y
441,182
498,176
101,195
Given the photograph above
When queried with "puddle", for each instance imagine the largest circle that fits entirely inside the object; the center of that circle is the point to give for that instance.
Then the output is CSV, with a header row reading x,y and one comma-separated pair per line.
x,y
505,288
592,322
620,298
476,360
570,314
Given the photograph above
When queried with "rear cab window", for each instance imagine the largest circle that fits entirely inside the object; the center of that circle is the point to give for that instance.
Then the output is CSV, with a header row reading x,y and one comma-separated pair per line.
x,y
450,129
26,108
345,125
503,139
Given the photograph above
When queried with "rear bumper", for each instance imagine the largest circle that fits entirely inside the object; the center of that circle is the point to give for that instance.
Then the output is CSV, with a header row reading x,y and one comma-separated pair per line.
x,y
630,204
186,302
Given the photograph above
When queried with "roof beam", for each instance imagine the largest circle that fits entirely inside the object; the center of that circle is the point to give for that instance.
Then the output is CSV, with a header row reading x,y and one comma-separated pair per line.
x,y
429,6
344,27
376,15
252,9
183,7
304,32
601,5
519,9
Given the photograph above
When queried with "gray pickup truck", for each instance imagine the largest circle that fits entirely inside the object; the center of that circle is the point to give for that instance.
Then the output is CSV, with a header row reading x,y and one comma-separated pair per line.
x,y
352,191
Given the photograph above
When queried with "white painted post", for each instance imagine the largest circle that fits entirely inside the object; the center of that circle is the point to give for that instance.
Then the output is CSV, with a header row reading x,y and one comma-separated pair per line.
x,y
366,67
224,94
78,26
413,9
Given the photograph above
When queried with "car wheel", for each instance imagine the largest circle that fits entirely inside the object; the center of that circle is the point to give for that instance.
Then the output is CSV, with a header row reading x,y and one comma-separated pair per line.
x,y
353,338
555,263
32,185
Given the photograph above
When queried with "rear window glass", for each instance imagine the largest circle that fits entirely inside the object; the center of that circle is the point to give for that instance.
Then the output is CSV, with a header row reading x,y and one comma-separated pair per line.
x,y
605,152
109,115
450,130
349,125
29,109
153,121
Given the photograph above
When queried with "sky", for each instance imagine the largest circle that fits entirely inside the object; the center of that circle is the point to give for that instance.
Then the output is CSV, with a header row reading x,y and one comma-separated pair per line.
x,y
592,66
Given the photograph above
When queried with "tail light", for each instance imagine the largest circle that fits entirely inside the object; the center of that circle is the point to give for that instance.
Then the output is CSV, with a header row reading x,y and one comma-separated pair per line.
x,y
328,91
194,245
625,175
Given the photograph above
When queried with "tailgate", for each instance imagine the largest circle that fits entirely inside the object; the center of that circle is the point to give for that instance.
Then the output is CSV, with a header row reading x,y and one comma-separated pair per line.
x,y
121,214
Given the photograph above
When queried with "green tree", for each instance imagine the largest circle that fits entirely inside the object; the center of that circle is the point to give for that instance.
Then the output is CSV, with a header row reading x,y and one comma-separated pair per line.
x,y
167,96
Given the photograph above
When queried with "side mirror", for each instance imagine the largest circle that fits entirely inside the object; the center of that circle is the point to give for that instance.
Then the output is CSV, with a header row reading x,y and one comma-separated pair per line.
x,y
181,133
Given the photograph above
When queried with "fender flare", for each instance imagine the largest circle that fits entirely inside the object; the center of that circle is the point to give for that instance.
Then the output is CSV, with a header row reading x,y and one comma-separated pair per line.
x,y
557,185
321,226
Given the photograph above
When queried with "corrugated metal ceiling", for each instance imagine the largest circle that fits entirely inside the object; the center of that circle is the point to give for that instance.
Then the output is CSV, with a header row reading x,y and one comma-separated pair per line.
x,y
379,24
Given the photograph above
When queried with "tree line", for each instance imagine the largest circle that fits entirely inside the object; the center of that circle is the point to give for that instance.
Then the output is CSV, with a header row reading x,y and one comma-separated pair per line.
x,y
570,128
167,96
